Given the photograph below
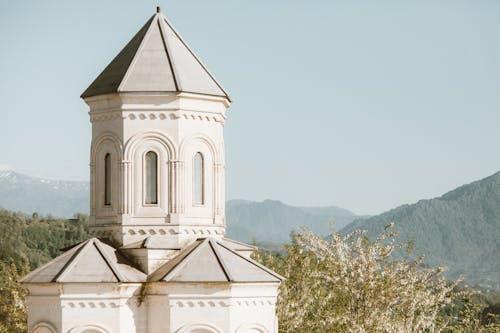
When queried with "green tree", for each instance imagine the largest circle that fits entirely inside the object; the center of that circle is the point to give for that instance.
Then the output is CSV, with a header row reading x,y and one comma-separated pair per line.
x,y
472,317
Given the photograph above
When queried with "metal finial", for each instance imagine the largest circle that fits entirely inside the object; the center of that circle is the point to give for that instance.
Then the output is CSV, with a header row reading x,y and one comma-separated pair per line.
x,y
158,9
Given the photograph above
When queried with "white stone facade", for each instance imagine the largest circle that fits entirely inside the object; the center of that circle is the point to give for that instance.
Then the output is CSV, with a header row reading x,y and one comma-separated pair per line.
x,y
160,262
176,127
179,308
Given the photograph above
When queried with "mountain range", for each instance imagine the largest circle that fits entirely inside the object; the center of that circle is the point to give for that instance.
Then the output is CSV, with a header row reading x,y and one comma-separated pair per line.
x,y
269,222
19,192
460,230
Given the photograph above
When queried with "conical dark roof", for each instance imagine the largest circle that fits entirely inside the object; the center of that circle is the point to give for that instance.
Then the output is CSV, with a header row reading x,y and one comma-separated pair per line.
x,y
156,60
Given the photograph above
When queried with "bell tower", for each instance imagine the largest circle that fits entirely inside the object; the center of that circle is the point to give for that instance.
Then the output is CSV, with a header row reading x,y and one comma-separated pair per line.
x,y
157,151
159,261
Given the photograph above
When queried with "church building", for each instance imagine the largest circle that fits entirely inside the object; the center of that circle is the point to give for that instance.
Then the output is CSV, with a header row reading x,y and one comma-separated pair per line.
x,y
159,261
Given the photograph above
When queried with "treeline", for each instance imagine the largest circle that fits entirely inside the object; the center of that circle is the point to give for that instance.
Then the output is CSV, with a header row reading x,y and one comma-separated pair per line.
x,y
343,283
30,241
354,283
26,242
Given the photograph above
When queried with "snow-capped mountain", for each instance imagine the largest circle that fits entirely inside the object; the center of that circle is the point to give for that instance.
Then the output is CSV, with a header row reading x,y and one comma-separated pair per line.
x,y
27,194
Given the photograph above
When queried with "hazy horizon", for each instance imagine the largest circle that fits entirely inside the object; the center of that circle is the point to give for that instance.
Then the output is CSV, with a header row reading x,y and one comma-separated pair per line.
x,y
356,104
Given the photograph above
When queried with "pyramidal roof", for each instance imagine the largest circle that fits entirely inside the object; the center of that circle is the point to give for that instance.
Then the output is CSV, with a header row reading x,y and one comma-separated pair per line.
x,y
156,60
210,260
159,242
205,260
90,261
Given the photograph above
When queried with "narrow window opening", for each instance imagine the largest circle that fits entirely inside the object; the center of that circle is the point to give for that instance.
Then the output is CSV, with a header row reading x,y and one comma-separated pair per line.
x,y
151,178
198,180
107,180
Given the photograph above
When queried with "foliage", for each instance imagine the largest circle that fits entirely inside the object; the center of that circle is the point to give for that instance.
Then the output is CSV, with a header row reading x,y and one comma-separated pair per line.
x,y
347,283
27,242
473,317
37,239
12,306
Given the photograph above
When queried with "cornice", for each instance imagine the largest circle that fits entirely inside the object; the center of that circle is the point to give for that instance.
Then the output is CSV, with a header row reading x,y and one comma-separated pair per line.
x,y
112,115
157,102
200,231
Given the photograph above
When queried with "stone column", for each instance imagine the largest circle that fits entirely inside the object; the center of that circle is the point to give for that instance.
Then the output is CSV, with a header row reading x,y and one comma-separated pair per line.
x,y
218,190
92,190
176,172
126,192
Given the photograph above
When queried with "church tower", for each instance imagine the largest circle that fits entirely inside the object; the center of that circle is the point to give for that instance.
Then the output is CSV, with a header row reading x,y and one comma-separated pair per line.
x,y
157,155
159,262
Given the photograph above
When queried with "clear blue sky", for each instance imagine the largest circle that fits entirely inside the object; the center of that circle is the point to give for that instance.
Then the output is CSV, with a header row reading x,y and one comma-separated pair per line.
x,y
362,104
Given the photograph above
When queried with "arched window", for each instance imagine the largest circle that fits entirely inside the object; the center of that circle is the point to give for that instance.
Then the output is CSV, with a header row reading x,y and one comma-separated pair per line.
x,y
199,328
43,328
107,179
151,178
198,180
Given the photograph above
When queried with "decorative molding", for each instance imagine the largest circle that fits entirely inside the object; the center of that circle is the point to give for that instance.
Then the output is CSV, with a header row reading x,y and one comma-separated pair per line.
x,y
213,303
108,231
142,137
202,328
189,141
254,327
102,117
105,116
97,142
91,304
43,327
88,328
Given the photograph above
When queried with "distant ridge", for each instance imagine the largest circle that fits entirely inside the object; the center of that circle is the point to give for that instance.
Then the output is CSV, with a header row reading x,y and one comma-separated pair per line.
x,y
271,221
19,192
460,229
268,222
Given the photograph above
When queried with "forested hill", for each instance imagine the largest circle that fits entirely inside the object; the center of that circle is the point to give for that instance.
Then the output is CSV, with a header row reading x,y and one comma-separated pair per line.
x,y
29,241
271,222
460,229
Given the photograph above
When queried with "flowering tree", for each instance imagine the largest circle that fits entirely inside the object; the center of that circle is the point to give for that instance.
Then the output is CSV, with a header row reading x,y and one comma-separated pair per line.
x,y
12,306
347,283
472,317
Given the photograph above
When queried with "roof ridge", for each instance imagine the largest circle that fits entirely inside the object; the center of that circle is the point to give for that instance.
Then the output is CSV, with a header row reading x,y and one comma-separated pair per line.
x,y
137,52
253,262
109,262
71,252
146,242
173,69
240,243
69,247
72,262
223,265
182,260
196,58
107,75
